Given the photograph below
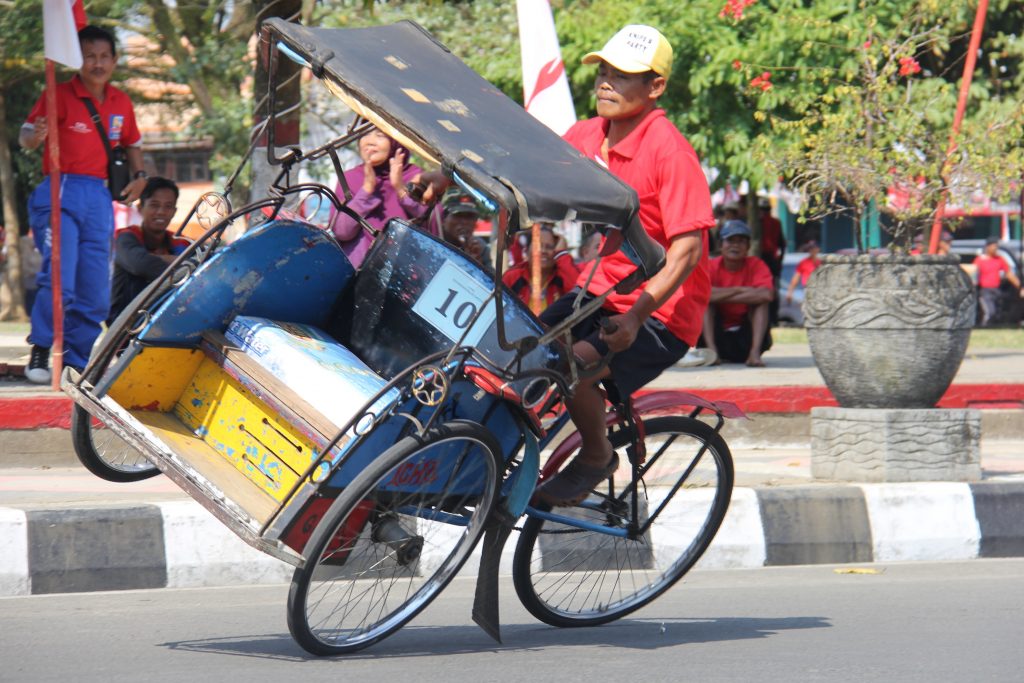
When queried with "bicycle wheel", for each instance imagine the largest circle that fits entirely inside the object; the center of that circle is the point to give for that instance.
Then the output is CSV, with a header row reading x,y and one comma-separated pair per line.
x,y
394,538
104,453
569,576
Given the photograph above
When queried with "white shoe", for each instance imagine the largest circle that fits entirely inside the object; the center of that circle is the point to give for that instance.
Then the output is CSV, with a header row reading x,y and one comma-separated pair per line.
x,y
695,358
38,375
38,369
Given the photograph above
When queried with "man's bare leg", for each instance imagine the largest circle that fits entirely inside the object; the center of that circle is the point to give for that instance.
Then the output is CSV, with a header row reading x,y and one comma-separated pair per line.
x,y
709,333
758,328
587,410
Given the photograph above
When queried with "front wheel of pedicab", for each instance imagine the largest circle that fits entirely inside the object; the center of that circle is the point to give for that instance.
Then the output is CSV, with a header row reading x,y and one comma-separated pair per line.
x,y
394,538
104,453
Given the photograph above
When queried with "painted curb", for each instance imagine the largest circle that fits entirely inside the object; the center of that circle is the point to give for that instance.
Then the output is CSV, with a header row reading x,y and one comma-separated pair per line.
x,y
179,544
54,410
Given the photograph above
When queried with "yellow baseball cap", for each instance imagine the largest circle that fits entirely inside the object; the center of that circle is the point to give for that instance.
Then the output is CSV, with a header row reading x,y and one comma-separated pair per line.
x,y
635,49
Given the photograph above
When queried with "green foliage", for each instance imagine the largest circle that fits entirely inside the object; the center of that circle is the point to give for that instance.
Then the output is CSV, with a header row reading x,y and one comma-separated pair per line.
x,y
483,34
21,77
868,105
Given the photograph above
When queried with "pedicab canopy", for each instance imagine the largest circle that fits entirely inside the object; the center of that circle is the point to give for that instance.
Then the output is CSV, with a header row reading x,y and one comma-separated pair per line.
x,y
411,86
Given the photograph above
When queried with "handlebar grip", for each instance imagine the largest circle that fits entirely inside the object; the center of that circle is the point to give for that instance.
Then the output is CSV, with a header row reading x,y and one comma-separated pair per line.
x,y
608,326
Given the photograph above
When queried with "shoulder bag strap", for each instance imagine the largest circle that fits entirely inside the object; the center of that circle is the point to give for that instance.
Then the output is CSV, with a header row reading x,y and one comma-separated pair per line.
x,y
99,125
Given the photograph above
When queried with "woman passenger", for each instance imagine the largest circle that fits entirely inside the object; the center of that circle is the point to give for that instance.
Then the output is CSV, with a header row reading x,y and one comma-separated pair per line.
x,y
379,193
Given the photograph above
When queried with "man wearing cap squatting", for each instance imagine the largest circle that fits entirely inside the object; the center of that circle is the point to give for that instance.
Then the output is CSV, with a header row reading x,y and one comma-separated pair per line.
x,y
736,323
654,327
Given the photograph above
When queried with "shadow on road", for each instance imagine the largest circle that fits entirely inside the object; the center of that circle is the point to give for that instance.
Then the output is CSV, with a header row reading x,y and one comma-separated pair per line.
x,y
429,641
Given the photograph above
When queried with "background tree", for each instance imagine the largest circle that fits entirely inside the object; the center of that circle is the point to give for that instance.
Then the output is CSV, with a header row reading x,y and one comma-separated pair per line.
x,y
21,69
736,61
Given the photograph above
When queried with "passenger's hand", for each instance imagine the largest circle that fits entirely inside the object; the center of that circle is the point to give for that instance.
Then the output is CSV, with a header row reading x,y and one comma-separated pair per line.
x,y
369,177
132,191
620,332
395,171
789,299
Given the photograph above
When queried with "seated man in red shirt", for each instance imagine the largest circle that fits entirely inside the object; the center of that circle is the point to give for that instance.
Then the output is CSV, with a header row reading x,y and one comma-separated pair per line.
x,y
991,269
736,322
143,252
558,272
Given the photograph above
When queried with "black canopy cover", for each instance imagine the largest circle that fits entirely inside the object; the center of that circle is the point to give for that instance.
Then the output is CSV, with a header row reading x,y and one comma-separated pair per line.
x,y
405,81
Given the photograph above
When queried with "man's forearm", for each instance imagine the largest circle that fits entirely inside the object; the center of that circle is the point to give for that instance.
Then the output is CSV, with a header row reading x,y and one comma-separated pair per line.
x,y
722,294
682,257
752,295
135,162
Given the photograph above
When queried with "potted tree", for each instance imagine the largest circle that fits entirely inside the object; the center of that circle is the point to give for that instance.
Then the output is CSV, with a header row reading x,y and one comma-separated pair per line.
x,y
890,330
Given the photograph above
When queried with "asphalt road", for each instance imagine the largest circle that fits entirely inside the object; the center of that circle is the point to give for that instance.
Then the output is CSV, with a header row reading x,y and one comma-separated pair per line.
x,y
921,622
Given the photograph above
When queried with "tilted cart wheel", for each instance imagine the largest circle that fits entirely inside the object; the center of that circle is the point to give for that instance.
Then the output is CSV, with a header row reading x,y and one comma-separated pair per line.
x,y
104,453
394,538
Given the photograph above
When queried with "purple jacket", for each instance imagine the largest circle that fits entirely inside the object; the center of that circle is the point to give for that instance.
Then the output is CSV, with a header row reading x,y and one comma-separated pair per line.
x,y
376,207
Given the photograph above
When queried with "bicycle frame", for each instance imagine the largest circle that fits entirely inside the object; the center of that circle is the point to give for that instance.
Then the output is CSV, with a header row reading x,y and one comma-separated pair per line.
x,y
624,416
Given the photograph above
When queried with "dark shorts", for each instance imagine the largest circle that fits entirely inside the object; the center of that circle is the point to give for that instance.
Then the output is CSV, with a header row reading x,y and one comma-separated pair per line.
x,y
734,345
654,350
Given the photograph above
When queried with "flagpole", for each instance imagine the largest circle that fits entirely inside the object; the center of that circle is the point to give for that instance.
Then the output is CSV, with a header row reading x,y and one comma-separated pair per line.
x,y
53,149
958,117
535,274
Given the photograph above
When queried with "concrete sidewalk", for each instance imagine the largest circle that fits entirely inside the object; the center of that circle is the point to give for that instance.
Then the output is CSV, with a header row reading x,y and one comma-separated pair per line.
x,y
61,529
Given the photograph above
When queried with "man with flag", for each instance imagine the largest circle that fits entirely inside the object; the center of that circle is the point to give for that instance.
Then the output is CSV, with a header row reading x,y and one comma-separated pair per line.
x,y
86,215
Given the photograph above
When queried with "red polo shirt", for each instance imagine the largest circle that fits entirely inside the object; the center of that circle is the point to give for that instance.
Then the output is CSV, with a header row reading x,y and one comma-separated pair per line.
x,y
658,162
806,267
990,271
81,150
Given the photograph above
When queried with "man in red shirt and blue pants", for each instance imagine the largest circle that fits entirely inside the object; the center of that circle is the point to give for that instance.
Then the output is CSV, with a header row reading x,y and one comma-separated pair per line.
x,y
653,327
87,217
990,269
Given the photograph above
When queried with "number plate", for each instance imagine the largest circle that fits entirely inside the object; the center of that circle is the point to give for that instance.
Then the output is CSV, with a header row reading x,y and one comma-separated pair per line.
x,y
451,300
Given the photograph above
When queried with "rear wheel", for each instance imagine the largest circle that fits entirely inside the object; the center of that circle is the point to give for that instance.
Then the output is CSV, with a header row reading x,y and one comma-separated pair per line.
x,y
104,453
569,576
394,538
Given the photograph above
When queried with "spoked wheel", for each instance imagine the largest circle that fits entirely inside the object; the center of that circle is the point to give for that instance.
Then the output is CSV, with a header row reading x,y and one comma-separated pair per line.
x,y
394,538
569,576
104,453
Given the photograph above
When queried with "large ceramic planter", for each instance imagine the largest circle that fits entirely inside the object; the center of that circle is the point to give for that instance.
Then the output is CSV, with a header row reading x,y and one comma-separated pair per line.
x,y
888,331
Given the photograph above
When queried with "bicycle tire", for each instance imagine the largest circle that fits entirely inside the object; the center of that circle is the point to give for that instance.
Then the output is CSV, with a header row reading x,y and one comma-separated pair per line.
x,y
104,453
585,578
354,590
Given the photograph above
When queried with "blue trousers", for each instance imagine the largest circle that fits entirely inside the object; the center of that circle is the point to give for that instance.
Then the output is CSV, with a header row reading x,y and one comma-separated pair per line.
x,y
86,234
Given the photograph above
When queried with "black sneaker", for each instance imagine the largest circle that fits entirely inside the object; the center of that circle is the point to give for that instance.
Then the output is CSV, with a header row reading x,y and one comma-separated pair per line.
x,y
38,369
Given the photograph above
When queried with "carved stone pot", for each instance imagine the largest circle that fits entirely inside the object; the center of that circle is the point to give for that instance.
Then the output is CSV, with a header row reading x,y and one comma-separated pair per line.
x,y
888,331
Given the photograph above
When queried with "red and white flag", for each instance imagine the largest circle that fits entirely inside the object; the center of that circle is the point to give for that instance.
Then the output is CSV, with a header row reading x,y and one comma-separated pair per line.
x,y
62,19
545,88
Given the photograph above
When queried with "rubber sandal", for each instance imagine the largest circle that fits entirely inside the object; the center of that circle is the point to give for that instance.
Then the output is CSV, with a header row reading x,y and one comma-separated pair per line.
x,y
575,481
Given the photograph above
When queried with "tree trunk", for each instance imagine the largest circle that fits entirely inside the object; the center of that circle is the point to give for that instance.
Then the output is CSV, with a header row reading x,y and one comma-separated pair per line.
x,y
12,306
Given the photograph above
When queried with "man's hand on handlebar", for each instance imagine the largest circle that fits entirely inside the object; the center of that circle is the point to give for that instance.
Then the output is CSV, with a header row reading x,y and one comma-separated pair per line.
x,y
435,183
620,331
